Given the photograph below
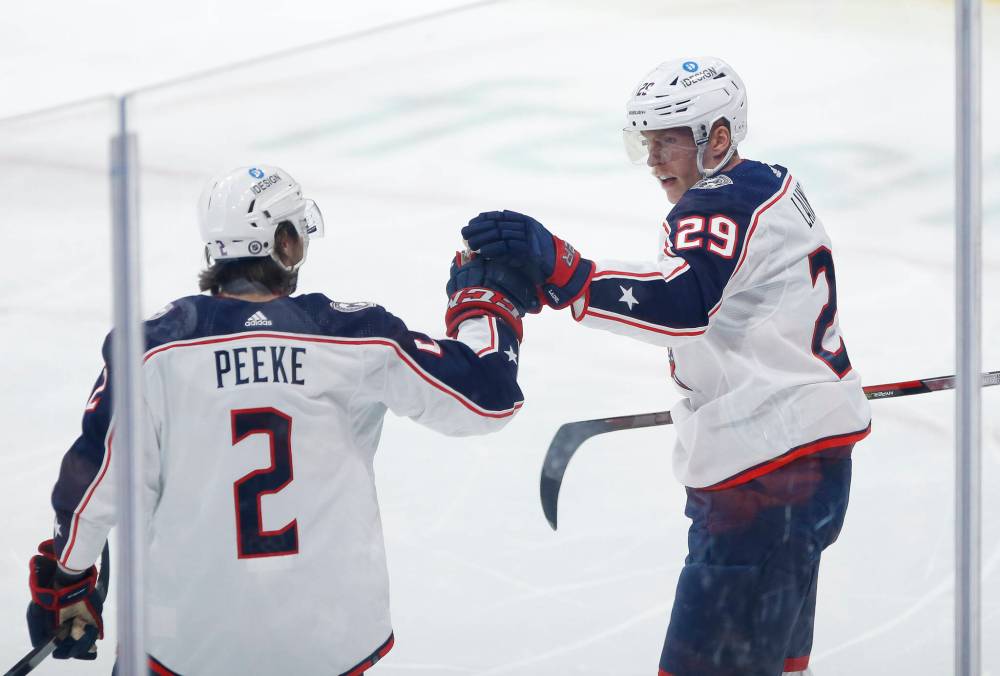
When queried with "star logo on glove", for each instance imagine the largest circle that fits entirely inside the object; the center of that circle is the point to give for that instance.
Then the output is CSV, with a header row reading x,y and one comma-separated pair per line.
x,y
56,528
627,297
511,355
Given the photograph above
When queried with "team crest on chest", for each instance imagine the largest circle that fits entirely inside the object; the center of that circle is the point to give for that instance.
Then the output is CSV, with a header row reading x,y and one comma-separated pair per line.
x,y
712,183
350,307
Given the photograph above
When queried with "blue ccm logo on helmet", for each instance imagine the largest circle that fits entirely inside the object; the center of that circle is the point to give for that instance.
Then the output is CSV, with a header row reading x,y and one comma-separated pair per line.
x,y
256,173
690,66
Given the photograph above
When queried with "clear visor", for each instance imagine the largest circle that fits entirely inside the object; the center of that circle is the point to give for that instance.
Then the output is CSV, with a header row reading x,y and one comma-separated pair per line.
x,y
313,219
663,145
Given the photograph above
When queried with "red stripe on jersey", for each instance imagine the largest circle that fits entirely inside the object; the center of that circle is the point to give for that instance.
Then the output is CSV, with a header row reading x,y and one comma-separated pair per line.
x,y
95,399
370,661
756,217
159,669
790,456
75,527
600,314
492,321
623,273
796,663
642,275
678,270
433,382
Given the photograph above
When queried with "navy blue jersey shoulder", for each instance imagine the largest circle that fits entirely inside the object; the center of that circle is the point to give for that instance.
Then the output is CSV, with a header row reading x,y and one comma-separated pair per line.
x,y
489,380
708,229
194,317
736,193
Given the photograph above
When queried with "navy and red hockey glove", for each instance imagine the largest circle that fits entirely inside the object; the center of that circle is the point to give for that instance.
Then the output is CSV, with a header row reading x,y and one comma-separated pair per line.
x,y
64,604
478,287
520,241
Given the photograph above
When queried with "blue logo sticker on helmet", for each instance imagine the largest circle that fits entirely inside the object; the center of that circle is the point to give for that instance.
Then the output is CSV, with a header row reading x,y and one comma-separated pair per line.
x,y
256,173
690,66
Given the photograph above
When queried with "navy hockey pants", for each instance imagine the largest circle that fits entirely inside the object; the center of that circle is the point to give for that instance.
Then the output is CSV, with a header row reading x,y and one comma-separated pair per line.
x,y
746,597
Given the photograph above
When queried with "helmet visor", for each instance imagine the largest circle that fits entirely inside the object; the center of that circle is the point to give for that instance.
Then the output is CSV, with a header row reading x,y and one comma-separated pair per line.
x,y
313,219
636,146
664,145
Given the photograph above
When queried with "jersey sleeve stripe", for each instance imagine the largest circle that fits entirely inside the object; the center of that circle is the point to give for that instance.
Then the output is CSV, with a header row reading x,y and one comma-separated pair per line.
x,y
630,275
655,328
492,347
624,274
431,380
678,271
74,528
95,396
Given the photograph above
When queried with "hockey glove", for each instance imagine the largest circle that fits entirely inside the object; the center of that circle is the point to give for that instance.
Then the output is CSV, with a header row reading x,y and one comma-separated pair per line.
x,y
478,287
522,242
64,604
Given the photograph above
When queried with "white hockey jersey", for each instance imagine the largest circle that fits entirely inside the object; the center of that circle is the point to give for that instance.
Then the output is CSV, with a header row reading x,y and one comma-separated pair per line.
x,y
262,420
744,296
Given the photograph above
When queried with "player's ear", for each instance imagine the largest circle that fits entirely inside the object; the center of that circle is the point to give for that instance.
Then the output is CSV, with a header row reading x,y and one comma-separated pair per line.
x,y
285,237
721,137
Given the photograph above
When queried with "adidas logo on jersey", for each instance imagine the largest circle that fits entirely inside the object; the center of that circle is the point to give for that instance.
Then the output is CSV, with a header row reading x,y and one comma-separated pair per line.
x,y
257,319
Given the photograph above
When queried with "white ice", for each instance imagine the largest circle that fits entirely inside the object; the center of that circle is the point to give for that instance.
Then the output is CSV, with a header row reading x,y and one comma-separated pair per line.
x,y
401,137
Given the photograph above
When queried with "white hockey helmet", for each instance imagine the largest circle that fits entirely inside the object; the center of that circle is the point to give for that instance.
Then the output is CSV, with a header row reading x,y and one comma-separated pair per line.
x,y
239,213
692,92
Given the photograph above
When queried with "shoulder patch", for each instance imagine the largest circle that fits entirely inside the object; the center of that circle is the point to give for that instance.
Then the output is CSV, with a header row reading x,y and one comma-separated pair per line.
x,y
162,311
350,307
712,183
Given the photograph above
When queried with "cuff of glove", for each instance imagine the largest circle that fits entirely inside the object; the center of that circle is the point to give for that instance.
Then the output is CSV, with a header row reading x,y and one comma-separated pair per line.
x,y
55,595
478,301
575,284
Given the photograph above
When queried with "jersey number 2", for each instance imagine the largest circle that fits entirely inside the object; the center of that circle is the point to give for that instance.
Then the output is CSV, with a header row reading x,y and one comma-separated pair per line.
x,y
821,263
252,540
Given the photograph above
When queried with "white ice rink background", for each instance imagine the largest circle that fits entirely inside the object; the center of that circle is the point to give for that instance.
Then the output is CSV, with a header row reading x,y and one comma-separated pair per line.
x,y
403,135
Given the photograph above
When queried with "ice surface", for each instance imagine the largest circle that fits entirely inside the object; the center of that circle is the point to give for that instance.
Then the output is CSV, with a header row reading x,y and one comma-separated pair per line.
x,y
403,136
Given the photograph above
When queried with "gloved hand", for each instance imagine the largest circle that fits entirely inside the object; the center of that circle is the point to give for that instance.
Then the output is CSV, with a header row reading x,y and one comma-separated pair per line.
x,y
478,287
523,243
58,598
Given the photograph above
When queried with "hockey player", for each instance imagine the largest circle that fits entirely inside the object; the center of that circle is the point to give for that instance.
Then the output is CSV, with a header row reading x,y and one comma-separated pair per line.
x,y
742,293
262,414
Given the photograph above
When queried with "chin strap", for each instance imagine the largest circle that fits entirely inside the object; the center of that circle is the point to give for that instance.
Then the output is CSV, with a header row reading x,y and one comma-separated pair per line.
x,y
709,173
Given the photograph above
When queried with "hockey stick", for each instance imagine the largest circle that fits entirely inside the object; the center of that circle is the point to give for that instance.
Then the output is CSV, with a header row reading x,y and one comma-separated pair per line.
x,y
35,657
570,436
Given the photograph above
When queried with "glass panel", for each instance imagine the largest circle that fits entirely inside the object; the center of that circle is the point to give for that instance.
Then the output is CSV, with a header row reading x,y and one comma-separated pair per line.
x,y
56,311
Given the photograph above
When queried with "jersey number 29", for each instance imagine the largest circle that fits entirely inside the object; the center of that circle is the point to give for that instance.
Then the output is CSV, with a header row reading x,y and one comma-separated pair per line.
x,y
252,540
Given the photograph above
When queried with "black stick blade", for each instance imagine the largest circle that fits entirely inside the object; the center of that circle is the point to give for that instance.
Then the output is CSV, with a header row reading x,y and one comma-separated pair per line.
x,y
564,444
568,439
